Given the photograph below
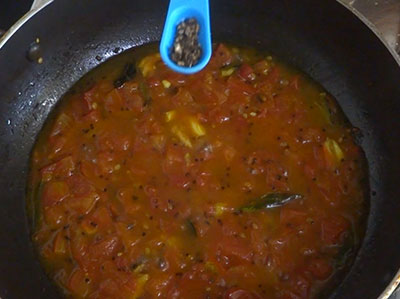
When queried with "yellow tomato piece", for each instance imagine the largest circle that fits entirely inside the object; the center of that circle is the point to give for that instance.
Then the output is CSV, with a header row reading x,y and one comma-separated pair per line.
x,y
182,136
227,72
88,227
166,83
148,64
173,242
78,284
139,268
196,127
333,153
141,281
60,244
219,209
158,142
187,158
210,266
170,115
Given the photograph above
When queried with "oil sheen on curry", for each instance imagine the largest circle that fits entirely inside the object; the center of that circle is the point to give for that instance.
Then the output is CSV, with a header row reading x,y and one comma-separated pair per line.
x,y
241,181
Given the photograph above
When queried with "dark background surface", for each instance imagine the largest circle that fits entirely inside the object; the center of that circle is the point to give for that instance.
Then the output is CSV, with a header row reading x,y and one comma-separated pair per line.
x,y
11,11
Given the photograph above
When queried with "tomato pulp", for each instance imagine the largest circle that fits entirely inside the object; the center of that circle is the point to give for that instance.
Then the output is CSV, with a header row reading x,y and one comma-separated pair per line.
x,y
241,181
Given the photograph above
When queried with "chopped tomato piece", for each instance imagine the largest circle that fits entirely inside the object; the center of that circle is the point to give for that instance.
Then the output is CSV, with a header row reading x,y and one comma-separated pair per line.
x,y
246,72
105,162
221,56
274,75
60,170
300,286
101,219
235,248
105,248
60,244
292,217
55,216
83,204
262,67
134,103
57,145
79,283
320,269
332,230
113,101
295,82
236,293
62,124
54,192
128,198
108,288
90,96
79,248
239,87
92,116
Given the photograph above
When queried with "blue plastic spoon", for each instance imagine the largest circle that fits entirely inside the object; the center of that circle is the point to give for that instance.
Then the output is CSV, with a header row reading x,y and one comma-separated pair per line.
x,y
178,11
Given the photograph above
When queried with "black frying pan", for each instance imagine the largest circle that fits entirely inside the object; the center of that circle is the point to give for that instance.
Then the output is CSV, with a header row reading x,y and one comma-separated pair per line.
x,y
322,38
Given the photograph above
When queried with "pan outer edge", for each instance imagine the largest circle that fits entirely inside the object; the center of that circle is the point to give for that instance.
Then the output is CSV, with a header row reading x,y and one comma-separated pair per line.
x,y
374,29
38,5
25,18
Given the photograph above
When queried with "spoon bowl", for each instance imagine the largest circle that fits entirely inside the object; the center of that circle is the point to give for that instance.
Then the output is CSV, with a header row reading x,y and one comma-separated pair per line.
x,y
178,11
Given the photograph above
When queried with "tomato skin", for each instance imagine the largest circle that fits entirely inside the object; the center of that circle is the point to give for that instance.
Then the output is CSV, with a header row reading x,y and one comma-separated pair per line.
x,y
295,83
113,102
54,216
292,217
262,67
63,168
239,87
57,146
105,248
54,192
332,230
108,288
246,72
221,56
320,269
300,286
78,283
62,124
92,117
236,293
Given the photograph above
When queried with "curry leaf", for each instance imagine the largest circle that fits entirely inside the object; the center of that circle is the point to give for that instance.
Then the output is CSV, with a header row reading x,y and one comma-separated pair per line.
x,y
145,93
128,73
270,201
191,228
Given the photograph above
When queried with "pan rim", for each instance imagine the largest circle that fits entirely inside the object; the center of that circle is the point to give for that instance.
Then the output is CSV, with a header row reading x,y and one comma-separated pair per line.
x,y
395,282
371,26
25,18
21,22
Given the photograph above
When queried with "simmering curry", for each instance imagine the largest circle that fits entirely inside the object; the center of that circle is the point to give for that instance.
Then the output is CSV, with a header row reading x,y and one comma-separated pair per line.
x,y
241,181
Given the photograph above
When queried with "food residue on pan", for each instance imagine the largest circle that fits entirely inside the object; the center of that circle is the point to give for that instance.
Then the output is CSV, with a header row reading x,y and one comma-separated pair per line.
x,y
35,52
